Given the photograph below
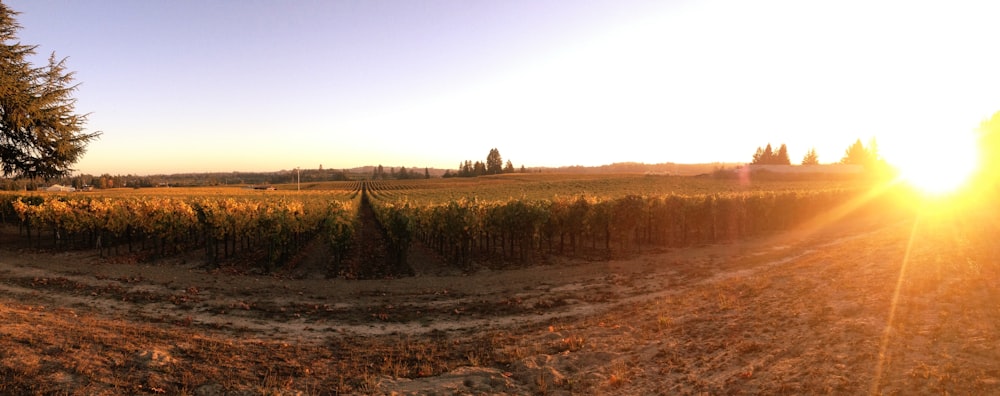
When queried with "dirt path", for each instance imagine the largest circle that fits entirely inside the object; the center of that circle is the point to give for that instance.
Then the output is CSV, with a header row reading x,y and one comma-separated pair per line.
x,y
302,305
798,312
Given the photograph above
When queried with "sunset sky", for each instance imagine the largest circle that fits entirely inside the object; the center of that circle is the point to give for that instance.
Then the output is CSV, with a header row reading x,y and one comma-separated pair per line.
x,y
196,86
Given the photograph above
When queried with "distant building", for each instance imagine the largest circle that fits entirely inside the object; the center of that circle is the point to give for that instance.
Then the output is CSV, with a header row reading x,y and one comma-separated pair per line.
x,y
59,188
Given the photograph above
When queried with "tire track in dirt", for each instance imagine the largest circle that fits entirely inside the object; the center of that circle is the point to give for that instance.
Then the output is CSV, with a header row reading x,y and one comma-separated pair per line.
x,y
269,307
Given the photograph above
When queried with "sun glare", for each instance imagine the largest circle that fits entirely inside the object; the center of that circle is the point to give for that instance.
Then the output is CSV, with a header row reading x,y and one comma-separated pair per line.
x,y
938,165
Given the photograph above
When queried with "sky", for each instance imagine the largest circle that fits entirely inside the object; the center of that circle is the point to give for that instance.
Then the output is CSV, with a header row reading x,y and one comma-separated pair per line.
x,y
251,85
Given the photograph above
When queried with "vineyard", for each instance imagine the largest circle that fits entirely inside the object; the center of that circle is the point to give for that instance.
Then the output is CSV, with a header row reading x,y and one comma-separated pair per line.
x,y
516,284
489,225
268,227
370,226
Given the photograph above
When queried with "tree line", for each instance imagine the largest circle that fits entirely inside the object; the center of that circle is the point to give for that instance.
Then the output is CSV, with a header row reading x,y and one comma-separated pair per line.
x,y
107,180
494,165
767,156
856,154
379,173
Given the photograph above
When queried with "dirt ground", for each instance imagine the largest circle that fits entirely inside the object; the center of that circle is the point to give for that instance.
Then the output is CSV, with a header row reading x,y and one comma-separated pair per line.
x,y
908,307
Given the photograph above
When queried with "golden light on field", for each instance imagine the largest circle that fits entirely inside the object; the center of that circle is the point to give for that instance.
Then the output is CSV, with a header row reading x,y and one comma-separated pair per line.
x,y
938,165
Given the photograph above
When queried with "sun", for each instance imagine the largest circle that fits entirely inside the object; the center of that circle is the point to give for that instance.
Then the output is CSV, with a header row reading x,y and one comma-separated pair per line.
x,y
940,164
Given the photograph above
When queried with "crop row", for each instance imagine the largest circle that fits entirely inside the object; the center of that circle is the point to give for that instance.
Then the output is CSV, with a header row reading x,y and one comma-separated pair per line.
x,y
544,187
274,226
525,230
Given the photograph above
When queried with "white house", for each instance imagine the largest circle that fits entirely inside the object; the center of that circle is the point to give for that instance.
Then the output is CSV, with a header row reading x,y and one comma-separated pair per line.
x,y
59,188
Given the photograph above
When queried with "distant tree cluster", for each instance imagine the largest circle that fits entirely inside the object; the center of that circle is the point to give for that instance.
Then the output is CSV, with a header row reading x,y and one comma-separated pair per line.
x,y
83,181
379,173
811,157
856,154
494,165
766,156
318,175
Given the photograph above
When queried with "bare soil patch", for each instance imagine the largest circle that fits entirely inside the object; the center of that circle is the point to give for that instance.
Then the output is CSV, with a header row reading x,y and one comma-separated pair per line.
x,y
834,310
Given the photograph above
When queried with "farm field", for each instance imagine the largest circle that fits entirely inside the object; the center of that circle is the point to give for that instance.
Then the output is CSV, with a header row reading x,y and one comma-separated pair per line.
x,y
839,291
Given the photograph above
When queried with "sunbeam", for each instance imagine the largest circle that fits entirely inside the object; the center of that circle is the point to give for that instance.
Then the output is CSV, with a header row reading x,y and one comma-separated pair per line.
x,y
887,332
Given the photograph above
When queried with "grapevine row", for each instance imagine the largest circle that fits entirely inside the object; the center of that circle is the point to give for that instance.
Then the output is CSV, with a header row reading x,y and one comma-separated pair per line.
x,y
525,230
274,226
457,225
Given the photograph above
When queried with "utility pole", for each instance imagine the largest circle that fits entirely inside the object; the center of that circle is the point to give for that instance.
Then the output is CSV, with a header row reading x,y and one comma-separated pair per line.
x,y
298,183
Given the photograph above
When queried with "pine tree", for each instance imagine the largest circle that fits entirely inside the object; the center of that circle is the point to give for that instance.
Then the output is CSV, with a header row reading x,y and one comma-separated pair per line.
x,y
767,158
856,154
40,133
873,155
758,157
782,157
811,158
467,170
509,167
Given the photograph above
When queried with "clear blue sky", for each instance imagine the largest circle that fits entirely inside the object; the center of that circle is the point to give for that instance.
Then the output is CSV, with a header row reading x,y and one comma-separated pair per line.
x,y
192,86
